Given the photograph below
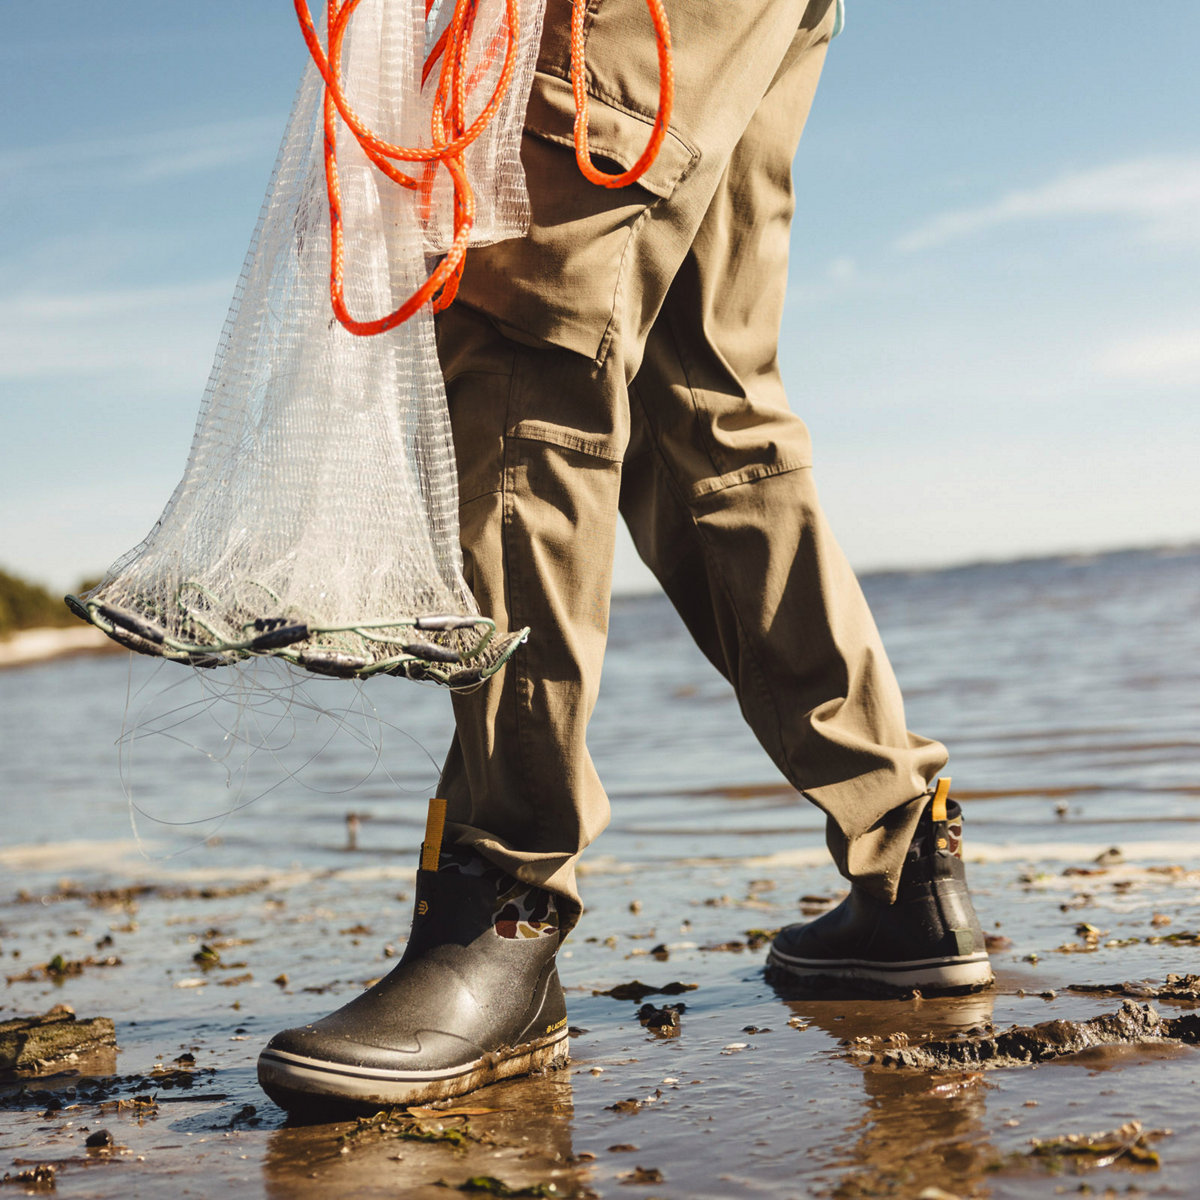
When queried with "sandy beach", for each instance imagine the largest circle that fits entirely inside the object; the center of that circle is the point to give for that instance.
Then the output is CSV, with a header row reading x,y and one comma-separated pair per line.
x,y
30,646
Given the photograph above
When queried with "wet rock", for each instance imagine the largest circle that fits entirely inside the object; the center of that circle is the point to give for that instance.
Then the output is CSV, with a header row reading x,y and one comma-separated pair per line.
x,y
100,1140
59,968
207,957
491,1186
34,1043
1182,938
642,1175
636,990
1175,987
664,1021
1132,1024
40,1178
633,1105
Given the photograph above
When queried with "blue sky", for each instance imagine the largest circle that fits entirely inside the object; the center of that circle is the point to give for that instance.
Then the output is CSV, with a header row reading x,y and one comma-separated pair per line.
x,y
993,325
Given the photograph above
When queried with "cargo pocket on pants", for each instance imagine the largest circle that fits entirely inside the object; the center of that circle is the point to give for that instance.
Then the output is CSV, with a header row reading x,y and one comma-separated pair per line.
x,y
562,282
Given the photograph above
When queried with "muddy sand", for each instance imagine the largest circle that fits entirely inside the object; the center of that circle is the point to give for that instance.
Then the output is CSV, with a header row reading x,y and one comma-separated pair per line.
x,y
1066,689
743,1093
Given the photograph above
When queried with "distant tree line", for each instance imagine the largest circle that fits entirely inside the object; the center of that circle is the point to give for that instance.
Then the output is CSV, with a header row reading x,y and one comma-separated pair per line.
x,y
25,605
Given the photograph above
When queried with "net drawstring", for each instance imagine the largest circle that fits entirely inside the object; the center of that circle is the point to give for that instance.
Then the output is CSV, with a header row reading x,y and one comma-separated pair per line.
x,y
451,135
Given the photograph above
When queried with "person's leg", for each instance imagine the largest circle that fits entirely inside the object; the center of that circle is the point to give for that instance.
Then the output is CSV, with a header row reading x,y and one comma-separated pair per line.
x,y
719,496
718,493
537,354
538,516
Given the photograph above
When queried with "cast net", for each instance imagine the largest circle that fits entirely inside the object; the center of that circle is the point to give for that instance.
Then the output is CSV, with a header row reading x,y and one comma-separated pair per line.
x,y
317,516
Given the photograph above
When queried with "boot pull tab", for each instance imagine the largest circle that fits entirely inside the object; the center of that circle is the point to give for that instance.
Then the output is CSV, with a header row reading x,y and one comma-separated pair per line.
x,y
937,810
435,825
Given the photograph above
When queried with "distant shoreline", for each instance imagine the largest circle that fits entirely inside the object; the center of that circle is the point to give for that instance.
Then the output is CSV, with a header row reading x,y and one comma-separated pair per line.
x,y
27,647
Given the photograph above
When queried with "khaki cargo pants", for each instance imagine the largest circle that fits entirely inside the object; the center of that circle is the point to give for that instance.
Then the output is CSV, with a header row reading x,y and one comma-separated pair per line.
x,y
621,360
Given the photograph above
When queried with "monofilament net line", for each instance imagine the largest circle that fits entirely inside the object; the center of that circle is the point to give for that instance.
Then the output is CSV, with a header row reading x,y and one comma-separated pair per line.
x,y
317,517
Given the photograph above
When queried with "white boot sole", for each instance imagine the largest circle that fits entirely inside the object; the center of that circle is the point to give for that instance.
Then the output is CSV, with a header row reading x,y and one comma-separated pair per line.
x,y
968,973
293,1080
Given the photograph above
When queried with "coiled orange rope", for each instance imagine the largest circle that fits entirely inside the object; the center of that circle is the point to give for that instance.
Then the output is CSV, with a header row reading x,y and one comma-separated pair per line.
x,y
451,135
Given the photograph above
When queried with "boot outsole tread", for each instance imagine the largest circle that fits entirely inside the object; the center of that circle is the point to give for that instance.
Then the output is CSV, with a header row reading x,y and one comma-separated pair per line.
x,y
299,1083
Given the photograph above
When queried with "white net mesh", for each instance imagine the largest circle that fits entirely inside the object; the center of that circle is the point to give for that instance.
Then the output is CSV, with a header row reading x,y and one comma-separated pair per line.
x,y
493,162
317,517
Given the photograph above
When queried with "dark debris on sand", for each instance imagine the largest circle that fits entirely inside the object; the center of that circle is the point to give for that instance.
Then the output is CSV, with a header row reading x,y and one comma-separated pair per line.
x,y
140,1092
637,991
128,896
1130,1144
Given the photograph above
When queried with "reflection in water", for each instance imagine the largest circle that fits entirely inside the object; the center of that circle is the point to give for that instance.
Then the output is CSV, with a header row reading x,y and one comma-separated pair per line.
x,y
524,1140
918,1130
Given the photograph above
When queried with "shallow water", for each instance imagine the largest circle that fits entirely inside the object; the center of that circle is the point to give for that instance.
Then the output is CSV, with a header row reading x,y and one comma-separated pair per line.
x,y
1065,689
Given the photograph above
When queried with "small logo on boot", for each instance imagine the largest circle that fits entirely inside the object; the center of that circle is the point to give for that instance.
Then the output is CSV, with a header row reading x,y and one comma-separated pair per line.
x,y
422,907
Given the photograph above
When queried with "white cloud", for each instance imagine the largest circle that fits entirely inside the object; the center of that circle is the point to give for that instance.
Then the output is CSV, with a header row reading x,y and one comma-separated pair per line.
x,y
842,270
1170,358
1161,194
141,158
155,331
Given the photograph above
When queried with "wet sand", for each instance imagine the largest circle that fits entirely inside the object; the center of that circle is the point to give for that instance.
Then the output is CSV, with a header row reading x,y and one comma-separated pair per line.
x,y
753,1094
1066,690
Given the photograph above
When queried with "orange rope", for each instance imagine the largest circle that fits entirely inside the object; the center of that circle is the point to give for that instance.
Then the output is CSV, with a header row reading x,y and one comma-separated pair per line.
x,y
666,97
450,134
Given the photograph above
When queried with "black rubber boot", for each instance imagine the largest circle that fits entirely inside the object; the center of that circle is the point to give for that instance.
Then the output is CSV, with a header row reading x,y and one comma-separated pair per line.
x,y
929,940
463,1008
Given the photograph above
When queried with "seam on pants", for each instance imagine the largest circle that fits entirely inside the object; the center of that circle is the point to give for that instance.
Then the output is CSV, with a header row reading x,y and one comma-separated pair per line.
x,y
704,426
606,339
521,684
722,483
